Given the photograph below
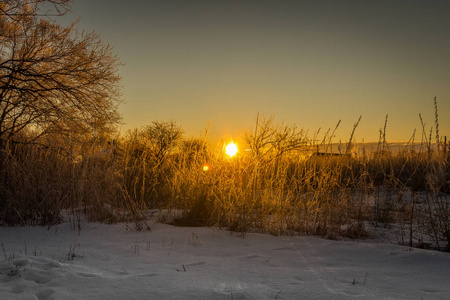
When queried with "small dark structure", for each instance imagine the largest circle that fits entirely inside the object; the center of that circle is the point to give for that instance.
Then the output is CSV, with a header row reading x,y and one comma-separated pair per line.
x,y
328,154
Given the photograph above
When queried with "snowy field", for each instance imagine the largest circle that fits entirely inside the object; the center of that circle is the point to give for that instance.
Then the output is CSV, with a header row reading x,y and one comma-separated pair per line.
x,y
111,262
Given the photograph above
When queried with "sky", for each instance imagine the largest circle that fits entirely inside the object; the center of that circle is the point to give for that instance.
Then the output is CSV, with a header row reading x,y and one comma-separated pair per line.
x,y
307,63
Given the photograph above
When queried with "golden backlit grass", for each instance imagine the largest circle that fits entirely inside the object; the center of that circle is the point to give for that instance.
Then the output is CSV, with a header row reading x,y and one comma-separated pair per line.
x,y
279,186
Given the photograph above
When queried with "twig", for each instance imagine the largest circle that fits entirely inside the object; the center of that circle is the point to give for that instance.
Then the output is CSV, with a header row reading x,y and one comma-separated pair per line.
x,y
4,252
184,268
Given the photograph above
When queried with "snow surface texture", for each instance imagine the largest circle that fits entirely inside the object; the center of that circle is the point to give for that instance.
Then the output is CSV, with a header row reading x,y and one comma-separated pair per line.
x,y
111,262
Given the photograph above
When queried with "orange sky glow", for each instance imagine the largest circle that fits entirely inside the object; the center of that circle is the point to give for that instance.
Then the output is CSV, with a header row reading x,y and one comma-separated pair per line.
x,y
308,63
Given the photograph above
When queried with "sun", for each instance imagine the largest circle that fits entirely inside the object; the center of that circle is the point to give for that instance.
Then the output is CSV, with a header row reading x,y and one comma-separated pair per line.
x,y
231,149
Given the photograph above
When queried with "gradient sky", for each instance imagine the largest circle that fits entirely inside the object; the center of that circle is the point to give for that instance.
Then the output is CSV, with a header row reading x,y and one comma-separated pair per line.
x,y
308,63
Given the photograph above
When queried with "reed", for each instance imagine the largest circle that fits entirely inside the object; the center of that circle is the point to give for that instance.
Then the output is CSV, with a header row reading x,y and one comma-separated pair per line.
x,y
282,186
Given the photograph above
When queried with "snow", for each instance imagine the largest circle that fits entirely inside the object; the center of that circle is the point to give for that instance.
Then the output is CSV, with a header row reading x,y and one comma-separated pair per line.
x,y
112,262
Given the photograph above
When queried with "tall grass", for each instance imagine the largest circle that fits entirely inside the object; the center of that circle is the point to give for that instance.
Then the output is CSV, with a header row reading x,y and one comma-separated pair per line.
x,y
281,185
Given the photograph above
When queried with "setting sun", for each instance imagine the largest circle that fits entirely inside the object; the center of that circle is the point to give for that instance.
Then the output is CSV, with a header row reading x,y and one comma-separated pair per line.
x,y
231,149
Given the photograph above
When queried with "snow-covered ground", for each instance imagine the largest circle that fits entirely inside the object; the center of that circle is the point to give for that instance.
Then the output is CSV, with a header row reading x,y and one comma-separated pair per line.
x,y
111,262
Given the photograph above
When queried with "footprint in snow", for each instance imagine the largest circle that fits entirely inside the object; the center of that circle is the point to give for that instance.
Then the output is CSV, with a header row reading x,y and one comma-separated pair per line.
x,y
21,262
36,276
45,294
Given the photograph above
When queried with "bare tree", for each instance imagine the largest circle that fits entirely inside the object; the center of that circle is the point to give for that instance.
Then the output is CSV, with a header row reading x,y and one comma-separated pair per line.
x,y
163,137
53,79
15,8
275,139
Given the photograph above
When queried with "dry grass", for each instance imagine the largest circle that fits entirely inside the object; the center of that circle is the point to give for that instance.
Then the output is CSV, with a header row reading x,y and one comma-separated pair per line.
x,y
277,187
